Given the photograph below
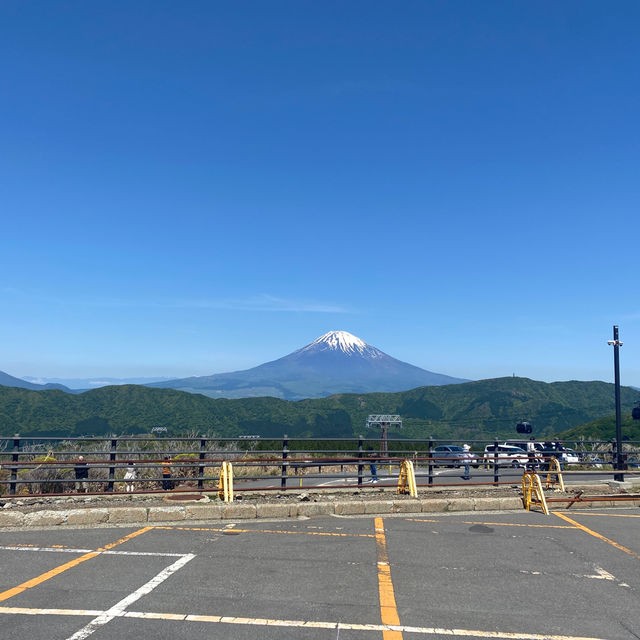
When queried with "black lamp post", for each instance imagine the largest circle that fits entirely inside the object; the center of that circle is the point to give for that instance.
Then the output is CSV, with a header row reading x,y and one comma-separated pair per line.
x,y
616,369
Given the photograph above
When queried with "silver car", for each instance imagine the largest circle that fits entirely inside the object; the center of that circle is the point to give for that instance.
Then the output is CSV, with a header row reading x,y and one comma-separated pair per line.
x,y
451,455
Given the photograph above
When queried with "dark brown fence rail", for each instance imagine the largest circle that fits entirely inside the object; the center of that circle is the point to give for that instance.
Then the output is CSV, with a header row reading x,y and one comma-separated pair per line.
x,y
105,465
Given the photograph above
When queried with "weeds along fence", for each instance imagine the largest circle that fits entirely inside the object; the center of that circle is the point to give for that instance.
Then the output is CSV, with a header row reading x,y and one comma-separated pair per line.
x,y
52,466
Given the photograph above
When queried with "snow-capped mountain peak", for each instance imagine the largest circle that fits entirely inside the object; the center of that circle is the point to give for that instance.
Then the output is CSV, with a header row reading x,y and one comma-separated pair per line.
x,y
337,362
341,341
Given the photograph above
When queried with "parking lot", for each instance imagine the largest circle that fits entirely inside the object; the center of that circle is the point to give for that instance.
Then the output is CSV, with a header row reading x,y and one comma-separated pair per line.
x,y
499,575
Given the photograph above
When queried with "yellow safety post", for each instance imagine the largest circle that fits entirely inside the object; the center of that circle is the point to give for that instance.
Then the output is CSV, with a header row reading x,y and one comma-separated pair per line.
x,y
532,492
554,470
407,479
225,484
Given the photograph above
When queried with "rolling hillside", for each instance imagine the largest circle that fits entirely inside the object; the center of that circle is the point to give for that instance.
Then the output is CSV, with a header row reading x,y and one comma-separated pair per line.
x,y
473,410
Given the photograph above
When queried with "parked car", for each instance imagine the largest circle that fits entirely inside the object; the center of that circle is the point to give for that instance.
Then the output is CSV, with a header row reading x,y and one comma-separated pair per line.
x,y
523,444
454,456
570,456
563,454
508,455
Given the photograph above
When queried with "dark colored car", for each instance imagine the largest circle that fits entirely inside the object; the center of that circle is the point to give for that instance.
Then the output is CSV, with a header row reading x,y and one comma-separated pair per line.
x,y
451,455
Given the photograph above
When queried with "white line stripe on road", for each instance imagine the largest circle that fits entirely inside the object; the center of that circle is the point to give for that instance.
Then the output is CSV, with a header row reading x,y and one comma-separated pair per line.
x,y
118,611
106,553
118,608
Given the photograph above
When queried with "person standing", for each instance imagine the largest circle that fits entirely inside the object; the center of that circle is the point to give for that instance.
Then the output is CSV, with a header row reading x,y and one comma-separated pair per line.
x,y
82,475
166,474
466,457
129,476
373,467
531,454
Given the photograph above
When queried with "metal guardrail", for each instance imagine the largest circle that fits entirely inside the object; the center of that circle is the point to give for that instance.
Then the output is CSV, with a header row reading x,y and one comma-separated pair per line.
x,y
37,466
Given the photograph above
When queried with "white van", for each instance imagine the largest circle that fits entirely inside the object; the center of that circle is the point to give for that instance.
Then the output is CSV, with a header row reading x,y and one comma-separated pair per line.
x,y
508,455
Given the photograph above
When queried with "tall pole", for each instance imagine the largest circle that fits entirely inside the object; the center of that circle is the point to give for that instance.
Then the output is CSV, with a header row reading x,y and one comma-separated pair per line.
x,y
616,369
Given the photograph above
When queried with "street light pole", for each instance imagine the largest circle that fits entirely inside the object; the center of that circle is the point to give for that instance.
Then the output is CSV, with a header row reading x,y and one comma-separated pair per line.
x,y
616,369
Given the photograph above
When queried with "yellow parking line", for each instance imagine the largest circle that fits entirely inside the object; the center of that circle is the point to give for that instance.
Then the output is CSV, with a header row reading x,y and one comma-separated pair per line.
x,y
300,533
139,532
497,524
388,609
597,535
9,593
514,524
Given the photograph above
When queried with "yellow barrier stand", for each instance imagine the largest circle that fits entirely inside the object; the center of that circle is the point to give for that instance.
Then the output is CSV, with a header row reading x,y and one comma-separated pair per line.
x,y
225,484
532,492
554,470
407,479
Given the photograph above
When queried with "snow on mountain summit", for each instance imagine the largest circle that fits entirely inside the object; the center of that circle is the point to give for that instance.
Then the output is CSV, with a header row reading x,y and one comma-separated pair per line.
x,y
342,341
337,362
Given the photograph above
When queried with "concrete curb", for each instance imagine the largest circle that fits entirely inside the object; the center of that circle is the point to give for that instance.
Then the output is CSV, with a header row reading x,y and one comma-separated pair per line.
x,y
106,515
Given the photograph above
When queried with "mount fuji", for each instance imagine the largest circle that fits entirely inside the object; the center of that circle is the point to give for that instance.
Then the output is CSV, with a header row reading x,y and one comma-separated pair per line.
x,y
337,362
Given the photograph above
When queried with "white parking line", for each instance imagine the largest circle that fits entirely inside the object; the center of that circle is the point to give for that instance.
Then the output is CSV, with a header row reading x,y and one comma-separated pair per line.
x,y
118,611
104,553
119,608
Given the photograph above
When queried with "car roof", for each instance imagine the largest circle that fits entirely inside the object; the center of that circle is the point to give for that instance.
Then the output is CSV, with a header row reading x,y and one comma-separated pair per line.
x,y
491,447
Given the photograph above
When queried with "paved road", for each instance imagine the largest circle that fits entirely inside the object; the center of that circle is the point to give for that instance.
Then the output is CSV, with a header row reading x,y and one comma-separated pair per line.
x,y
441,476
499,575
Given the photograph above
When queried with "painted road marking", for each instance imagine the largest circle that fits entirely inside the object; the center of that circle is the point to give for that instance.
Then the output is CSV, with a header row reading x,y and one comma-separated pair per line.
x,y
600,574
105,553
388,609
301,533
597,535
608,515
308,624
9,593
498,524
118,609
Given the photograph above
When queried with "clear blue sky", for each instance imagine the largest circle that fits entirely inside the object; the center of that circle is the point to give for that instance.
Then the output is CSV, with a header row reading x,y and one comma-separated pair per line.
x,y
199,187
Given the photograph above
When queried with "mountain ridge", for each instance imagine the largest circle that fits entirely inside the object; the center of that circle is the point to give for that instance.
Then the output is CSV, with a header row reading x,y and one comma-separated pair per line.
x,y
7,380
337,362
481,409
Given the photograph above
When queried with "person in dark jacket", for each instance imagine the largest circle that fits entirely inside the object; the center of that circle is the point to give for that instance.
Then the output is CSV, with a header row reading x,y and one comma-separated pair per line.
x,y
82,474
372,466
166,474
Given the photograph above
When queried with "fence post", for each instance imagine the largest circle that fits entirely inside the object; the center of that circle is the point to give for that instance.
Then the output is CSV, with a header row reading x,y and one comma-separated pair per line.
x,y
203,448
14,470
285,464
112,458
496,472
360,465
430,479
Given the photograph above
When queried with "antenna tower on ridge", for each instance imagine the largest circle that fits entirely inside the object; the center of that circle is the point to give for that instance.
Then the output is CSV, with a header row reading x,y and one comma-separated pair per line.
x,y
383,421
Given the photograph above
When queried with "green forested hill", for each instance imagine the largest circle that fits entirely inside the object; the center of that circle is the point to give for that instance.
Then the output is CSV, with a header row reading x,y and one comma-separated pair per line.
x,y
474,410
604,429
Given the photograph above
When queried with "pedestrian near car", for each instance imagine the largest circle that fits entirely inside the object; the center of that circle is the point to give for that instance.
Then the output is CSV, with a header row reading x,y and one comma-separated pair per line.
x,y
82,475
129,477
560,454
466,455
166,474
531,454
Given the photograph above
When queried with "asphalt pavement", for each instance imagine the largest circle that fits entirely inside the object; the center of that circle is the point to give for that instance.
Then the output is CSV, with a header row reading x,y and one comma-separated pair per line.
x,y
441,476
493,575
